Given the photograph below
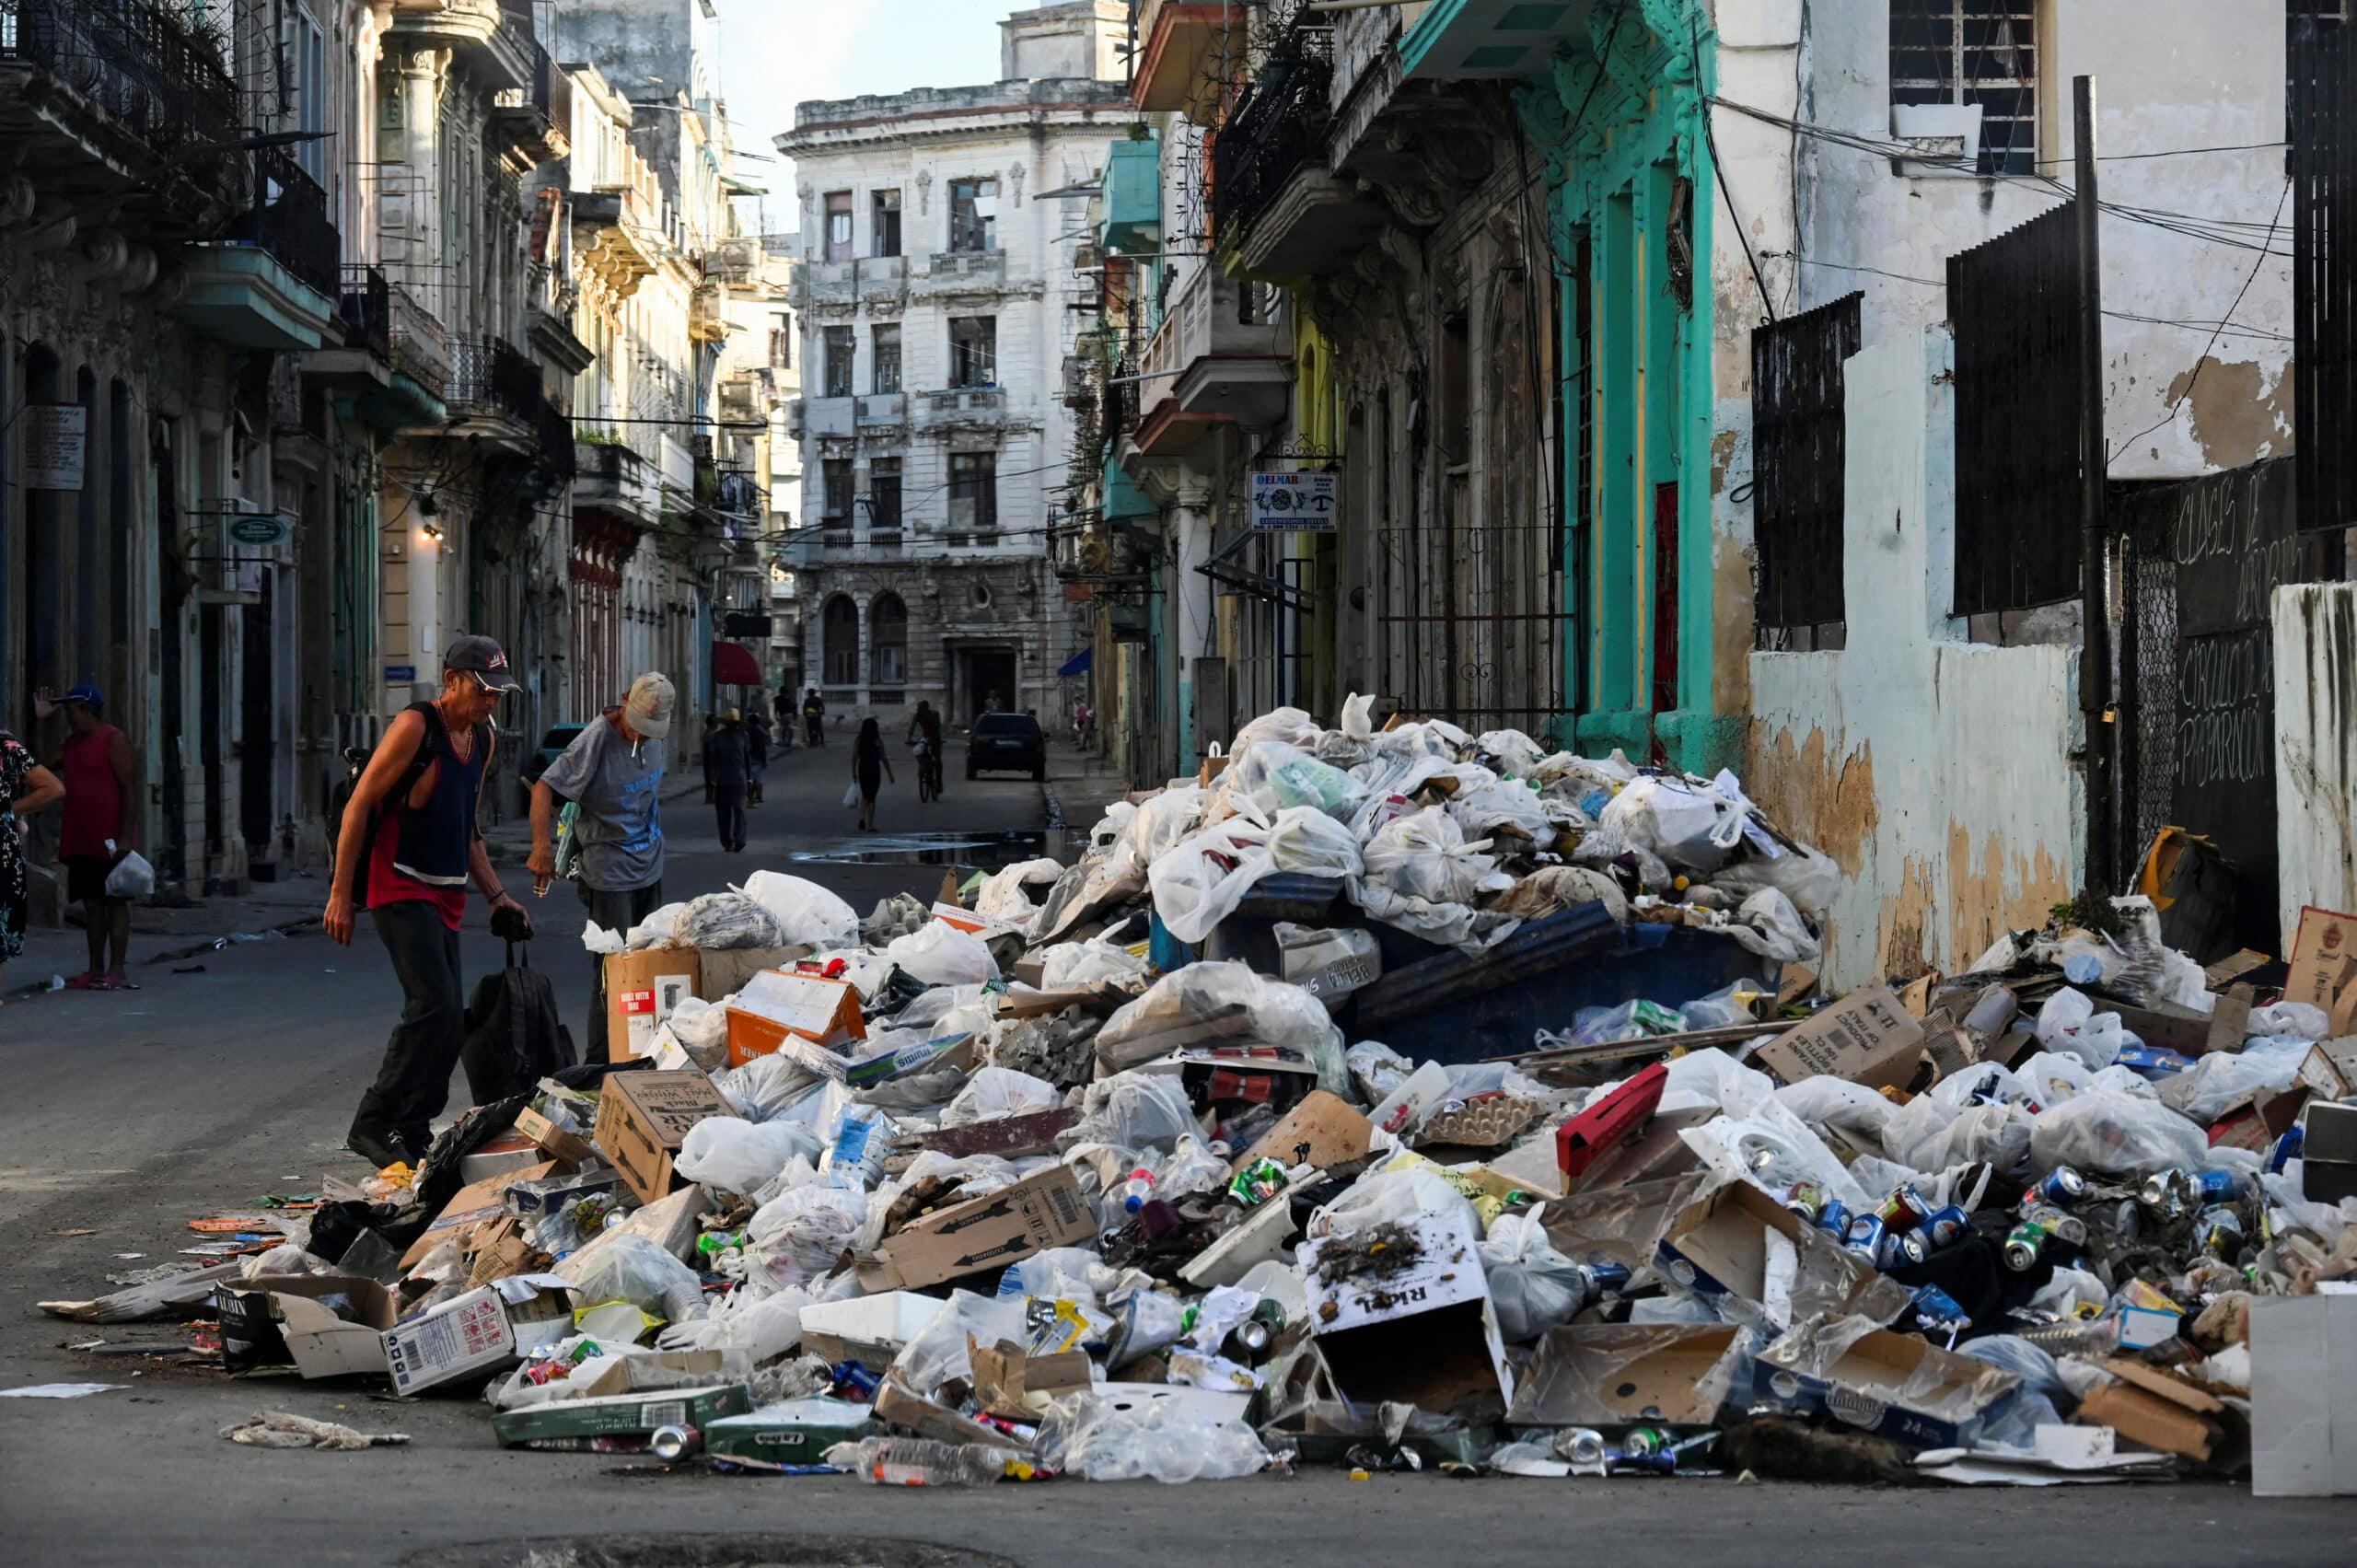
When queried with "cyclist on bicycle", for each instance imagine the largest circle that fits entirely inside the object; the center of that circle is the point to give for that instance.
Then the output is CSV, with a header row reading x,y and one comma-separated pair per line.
x,y
924,734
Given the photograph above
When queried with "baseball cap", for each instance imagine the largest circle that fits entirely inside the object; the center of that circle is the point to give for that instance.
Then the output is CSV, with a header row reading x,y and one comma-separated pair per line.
x,y
649,706
89,696
485,659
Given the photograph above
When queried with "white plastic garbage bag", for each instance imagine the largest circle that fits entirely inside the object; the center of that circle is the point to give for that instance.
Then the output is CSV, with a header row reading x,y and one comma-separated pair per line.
x,y
1103,1436
994,1092
635,1269
1005,895
1425,855
1358,716
737,1155
1228,1004
2069,1022
748,1327
700,1028
1290,725
131,878
810,915
1690,825
1134,1110
796,1237
2111,1133
1533,1286
1274,776
940,954
659,929
1199,882
1308,843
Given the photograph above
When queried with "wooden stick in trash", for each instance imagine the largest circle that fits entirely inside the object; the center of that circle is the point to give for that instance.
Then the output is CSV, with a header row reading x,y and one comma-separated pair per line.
x,y
1613,1050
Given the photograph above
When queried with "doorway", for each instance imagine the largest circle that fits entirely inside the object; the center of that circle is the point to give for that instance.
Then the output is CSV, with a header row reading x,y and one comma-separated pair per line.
x,y
988,673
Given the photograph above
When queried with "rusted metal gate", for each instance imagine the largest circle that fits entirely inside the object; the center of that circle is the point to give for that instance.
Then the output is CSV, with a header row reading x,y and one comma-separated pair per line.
x,y
2014,303
1473,626
1799,369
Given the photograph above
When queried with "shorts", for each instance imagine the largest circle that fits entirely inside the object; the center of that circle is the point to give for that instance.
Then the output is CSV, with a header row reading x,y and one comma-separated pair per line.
x,y
85,878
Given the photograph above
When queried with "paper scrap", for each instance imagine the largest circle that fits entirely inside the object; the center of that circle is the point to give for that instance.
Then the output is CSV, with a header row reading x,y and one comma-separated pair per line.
x,y
59,1390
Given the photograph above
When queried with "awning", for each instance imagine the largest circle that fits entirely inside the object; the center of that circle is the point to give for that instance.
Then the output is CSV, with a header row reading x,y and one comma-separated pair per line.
x,y
734,664
1079,664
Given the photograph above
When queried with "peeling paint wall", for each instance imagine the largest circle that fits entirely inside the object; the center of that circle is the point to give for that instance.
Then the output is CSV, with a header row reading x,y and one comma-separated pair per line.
x,y
1941,774
2315,747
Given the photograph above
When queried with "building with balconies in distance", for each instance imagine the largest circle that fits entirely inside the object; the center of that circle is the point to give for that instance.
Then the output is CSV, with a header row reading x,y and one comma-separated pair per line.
x,y
939,303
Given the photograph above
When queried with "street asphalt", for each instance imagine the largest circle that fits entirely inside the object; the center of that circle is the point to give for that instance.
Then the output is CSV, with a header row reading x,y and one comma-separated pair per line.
x,y
124,1116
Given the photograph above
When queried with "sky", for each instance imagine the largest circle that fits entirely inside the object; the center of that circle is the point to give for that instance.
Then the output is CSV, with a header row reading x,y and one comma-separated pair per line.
x,y
776,53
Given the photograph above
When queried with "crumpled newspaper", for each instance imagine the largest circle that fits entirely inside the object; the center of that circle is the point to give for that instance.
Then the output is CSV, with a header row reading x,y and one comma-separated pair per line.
x,y
278,1429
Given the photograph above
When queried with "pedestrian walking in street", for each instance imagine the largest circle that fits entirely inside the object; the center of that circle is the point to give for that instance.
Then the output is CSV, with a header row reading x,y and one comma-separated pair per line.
x,y
26,787
613,774
783,704
869,768
814,718
726,757
757,754
409,845
100,773
924,734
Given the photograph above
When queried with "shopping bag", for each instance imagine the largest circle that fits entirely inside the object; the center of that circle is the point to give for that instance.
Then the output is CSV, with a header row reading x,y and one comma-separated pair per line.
x,y
851,794
132,877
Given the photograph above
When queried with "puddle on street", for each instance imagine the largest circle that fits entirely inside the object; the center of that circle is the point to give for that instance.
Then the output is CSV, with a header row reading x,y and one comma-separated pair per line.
x,y
987,852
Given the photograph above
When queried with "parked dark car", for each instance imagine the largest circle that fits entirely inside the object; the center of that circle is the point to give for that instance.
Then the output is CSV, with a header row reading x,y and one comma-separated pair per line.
x,y
553,746
1006,743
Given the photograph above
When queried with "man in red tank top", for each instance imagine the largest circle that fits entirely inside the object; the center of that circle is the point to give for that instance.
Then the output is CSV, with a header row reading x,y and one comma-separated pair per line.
x,y
100,773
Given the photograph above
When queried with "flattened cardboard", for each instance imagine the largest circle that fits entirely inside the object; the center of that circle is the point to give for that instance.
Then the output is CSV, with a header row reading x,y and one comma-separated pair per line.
x,y
727,970
870,1329
496,1249
2258,1120
1007,1381
2323,962
1043,1210
642,990
1425,1333
1860,1390
1585,1374
473,1205
1868,1038
509,1152
776,1006
930,1418
1720,1246
553,1141
1323,1131
289,1318
644,1117
2150,1407
2304,1396
1005,1136
2179,1030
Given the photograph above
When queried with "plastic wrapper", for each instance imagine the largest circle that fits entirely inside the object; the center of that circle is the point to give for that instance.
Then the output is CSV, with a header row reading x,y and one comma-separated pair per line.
x,y
1512,753
1134,1110
1074,966
1533,1286
1375,1070
725,920
1191,1168
626,1267
940,954
746,1326
1393,1194
1712,1076
2218,1079
798,1237
735,1156
1005,895
1766,923
994,1092
1691,826
1995,1135
601,941
659,929
808,915
1288,725
1859,1114
765,1087
2110,1132
1203,879
1227,1005
1812,1346
1090,1435
1274,776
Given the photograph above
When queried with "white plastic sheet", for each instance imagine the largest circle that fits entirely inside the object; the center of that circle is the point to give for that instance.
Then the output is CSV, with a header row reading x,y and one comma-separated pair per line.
x,y
808,915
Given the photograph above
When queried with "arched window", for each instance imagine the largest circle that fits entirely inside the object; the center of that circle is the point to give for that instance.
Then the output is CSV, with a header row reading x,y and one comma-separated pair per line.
x,y
887,623
841,629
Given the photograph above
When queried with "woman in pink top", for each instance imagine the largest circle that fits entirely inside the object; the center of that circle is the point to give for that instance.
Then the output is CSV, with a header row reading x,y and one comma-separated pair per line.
x,y
101,811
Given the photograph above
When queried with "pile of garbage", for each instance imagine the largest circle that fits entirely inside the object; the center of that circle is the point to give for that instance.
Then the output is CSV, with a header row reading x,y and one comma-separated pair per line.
x,y
1130,1168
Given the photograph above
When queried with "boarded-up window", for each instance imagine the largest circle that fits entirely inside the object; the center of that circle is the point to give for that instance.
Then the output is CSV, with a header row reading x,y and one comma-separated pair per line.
x,y
1798,424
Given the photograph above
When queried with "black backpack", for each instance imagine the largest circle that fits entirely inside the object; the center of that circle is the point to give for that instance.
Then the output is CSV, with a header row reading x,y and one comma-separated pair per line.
x,y
514,1037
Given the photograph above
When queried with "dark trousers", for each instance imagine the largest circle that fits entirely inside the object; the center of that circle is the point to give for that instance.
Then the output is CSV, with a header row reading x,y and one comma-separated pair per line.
x,y
414,1083
728,805
617,912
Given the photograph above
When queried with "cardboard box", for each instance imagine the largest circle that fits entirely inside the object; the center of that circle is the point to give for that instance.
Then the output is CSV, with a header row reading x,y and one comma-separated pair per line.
x,y
643,1118
2150,1407
496,1251
724,971
478,1333
1261,1236
642,990
2258,1120
619,1408
502,1155
1588,1374
2304,1396
931,1418
1043,1210
474,1204
1423,1332
1892,1385
1015,1387
870,1329
328,1325
798,1432
862,1064
2331,1068
554,1142
776,1006
1323,1131
1868,1038
1740,1241
2328,1155
2323,966
2183,1031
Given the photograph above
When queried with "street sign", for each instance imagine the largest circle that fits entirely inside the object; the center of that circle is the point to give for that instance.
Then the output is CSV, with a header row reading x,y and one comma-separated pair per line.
x,y
401,675
56,444
1294,502
267,529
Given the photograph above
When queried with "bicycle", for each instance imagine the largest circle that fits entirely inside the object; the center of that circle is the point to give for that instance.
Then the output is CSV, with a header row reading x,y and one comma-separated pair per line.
x,y
928,772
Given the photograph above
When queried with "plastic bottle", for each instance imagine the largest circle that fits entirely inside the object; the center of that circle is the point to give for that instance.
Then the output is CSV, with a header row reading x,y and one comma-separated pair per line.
x,y
1137,1190
919,1461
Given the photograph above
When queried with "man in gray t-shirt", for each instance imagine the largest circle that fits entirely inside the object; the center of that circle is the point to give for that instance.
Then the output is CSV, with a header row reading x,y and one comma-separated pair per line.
x,y
613,771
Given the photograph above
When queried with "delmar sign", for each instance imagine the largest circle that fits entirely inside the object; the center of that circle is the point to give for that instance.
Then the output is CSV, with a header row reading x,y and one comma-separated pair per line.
x,y
1294,502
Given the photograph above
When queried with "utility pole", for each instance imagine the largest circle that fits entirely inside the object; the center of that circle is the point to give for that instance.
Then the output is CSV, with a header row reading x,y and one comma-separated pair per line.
x,y
2095,648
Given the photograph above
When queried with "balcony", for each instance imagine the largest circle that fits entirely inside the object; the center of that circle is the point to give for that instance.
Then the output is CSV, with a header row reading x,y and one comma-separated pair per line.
x,y
707,315
618,231
533,123
967,272
421,348
963,407
115,105
880,412
816,418
1214,360
496,395
493,39
1132,198
273,282
1493,40
1275,203
613,482
1187,51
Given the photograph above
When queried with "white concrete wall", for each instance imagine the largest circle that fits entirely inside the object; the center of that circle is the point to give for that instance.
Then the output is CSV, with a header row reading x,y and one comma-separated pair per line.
x,y
2316,748
1938,773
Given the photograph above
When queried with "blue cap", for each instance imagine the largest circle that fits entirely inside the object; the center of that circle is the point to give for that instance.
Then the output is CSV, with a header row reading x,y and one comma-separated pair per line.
x,y
89,696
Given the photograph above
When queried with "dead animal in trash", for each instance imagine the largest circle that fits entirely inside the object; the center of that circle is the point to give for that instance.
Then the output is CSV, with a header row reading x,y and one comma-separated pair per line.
x,y
1794,1451
278,1429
